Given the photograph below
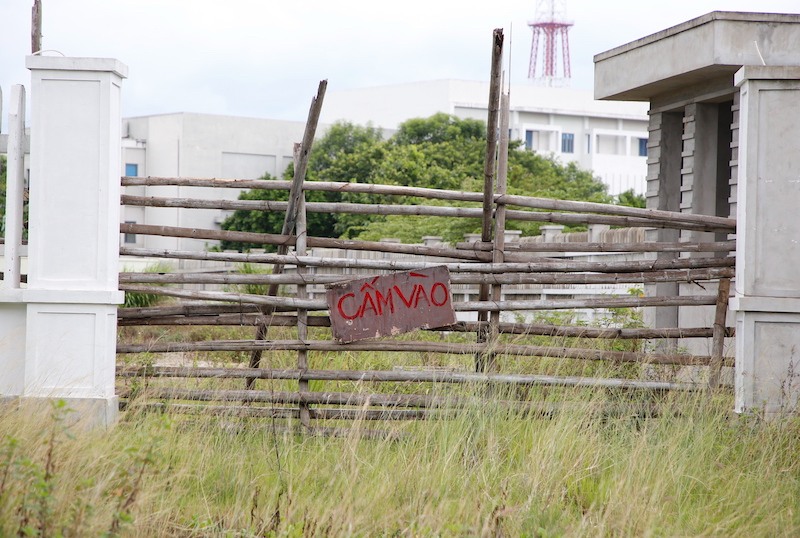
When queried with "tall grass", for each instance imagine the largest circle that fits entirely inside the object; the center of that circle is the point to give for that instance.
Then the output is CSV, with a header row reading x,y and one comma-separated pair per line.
x,y
689,469
138,299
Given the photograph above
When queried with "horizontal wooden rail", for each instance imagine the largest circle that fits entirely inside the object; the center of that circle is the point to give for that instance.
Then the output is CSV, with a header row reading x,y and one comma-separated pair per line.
x,y
581,247
390,403
546,265
514,252
317,413
539,410
290,240
400,376
311,207
722,223
458,306
677,275
405,346
605,217
520,329
320,398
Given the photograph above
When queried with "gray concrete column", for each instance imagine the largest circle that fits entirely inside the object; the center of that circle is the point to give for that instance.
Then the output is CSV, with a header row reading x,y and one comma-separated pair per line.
x,y
663,192
767,301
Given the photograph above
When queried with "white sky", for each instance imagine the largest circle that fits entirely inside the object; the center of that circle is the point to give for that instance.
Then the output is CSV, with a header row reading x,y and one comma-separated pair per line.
x,y
264,58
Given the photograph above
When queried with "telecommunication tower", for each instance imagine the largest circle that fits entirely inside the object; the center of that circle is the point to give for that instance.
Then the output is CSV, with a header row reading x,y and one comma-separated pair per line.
x,y
550,27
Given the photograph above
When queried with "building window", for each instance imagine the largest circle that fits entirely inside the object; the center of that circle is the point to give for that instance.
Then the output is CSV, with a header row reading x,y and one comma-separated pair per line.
x,y
131,169
130,239
529,140
642,147
588,144
567,143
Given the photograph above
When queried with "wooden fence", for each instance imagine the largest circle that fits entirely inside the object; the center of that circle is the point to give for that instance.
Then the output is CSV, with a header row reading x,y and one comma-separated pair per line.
x,y
490,266
472,264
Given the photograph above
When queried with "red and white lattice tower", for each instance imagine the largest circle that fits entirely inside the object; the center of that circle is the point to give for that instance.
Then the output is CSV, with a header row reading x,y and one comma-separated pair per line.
x,y
551,28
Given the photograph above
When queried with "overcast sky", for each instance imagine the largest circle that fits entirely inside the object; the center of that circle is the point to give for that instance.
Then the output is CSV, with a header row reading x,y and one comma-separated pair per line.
x,y
264,58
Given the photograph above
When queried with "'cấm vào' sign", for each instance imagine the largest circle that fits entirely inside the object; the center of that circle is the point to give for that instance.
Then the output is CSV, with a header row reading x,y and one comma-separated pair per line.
x,y
390,304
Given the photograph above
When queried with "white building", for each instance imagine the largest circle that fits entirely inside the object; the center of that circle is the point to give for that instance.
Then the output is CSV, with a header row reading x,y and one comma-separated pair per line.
x,y
203,146
608,138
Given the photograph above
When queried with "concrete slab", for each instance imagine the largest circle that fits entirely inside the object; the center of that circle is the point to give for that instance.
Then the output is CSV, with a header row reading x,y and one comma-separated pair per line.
x,y
697,52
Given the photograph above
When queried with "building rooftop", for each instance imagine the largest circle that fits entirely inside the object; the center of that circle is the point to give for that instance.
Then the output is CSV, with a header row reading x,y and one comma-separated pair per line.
x,y
697,52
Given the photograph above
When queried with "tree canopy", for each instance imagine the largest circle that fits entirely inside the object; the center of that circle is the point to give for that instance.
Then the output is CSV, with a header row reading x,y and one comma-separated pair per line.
x,y
440,152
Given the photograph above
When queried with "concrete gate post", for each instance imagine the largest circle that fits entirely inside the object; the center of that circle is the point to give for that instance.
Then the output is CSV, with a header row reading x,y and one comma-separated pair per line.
x,y
72,293
767,301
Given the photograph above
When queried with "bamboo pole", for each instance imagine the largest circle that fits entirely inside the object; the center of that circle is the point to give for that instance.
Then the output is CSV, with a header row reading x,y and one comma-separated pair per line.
x,y
595,302
490,162
482,360
649,221
229,320
412,346
676,275
390,402
653,215
517,252
295,195
718,340
205,310
459,306
545,265
323,413
287,240
312,207
296,398
646,246
576,219
521,329
399,376
36,27
499,228
302,314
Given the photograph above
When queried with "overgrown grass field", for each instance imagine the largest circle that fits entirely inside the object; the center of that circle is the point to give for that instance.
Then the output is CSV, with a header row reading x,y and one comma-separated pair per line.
x,y
604,463
689,469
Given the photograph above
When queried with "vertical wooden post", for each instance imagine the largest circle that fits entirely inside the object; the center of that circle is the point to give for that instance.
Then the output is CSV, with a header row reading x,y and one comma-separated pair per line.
x,y
302,293
488,177
36,26
718,338
498,255
295,194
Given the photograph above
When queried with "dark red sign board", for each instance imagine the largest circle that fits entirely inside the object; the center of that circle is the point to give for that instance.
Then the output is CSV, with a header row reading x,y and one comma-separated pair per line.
x,y
391,304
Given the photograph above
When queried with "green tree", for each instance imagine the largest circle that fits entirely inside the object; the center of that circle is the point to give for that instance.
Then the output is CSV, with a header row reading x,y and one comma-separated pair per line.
x,y
347,153
440,152
318,224
632,199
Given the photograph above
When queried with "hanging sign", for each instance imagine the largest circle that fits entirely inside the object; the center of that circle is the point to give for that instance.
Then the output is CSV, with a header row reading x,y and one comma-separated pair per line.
x,y
391,304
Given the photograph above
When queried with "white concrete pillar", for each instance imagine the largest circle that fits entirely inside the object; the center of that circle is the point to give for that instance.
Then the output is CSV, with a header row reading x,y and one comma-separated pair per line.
x,y
72,293
767,301
12,309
